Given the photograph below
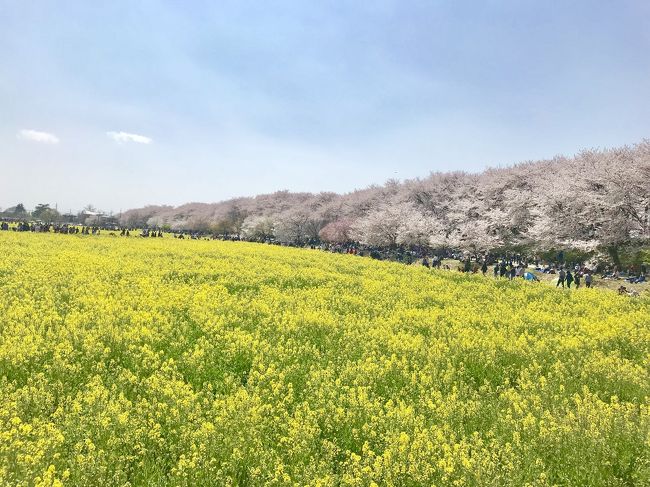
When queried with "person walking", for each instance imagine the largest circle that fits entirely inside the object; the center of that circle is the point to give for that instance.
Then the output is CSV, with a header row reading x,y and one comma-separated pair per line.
x,y
484,267
576,279
560,278
588,279
569,279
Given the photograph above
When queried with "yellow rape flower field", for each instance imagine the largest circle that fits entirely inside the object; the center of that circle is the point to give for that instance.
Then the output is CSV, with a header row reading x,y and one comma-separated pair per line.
x,y
168,362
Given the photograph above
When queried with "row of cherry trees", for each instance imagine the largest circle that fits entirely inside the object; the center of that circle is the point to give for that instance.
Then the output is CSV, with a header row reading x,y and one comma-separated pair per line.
x,y
597,199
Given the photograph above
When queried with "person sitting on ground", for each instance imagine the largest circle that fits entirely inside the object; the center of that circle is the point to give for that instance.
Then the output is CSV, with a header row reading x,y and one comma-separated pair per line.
x,y
529,276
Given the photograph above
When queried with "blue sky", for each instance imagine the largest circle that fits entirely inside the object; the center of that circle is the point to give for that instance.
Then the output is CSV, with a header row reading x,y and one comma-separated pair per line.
x,y
126,103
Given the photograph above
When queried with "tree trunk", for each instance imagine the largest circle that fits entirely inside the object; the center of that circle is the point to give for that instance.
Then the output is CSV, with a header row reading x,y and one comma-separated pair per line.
x,y
613,253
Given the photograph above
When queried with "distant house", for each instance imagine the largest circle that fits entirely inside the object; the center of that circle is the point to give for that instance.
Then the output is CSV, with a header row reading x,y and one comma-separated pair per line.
x,y
86,217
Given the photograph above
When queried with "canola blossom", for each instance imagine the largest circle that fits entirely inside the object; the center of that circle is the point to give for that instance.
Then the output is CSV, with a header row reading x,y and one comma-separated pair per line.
x,y
129,362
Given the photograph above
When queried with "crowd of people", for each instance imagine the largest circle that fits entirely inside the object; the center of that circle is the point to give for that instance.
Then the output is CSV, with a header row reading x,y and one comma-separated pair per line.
x,y
76,229
567,277
631,275
38,227
574,275
146,233
519,268
509,270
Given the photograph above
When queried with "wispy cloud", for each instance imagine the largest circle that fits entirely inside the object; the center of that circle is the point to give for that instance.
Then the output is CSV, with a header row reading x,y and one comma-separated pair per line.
x,y
36,136
123,137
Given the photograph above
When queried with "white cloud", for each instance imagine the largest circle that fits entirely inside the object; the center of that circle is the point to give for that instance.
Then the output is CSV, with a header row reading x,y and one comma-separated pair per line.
x,y
36,136
122,137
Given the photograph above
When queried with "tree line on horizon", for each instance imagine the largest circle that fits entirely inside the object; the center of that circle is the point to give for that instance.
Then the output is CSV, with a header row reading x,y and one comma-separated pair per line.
x,y
596,200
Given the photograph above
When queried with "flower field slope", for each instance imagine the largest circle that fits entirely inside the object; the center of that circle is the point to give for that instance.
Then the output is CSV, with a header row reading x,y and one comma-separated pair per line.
x,y
168,362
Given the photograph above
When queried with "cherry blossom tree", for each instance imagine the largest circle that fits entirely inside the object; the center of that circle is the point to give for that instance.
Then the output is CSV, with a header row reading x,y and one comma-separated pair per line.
x,y
599,199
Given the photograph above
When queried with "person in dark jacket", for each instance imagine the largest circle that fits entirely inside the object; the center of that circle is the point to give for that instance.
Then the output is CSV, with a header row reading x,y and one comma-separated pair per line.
x,y
560,278
569,279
